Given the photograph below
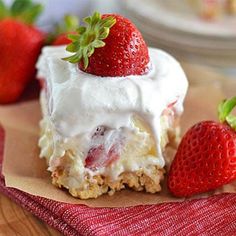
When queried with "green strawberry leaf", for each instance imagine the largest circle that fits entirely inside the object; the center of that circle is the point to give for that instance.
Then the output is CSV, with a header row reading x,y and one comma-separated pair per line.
x,y
69,24
89,38
32,13
224,110
73,37
19,6
25,10
231,120
3,10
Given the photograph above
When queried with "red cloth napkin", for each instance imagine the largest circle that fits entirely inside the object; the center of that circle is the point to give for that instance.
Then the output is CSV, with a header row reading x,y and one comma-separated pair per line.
x,y
212,216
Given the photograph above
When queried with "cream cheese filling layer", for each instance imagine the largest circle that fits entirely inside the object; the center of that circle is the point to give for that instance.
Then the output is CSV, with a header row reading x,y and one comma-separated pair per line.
x,y
78,102
132,160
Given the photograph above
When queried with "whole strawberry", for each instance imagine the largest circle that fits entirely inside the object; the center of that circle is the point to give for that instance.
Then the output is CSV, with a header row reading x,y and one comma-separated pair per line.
x,y
206,157
110,45
20,45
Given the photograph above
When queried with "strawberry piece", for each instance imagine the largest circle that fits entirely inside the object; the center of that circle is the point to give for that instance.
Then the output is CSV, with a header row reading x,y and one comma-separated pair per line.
x,y
61,40
111,45
20,45
172,104
206,156
95,158
42,83
98,157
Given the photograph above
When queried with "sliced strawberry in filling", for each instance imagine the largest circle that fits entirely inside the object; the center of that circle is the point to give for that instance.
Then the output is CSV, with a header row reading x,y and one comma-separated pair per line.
x,y
42,83
170,110
98,157
105,148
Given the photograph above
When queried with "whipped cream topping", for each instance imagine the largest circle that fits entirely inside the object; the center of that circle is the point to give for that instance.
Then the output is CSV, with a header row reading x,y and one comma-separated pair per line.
x,y
79,102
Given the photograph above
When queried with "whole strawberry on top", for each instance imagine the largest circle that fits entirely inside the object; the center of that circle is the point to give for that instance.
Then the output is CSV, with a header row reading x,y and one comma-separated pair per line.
x,y
110,45
206,157
20,45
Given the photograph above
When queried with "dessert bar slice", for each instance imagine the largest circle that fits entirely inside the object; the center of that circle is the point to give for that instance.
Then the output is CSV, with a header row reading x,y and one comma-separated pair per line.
x,y
103,133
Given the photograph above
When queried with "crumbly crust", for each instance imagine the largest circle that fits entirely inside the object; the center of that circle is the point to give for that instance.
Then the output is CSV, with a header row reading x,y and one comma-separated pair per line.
x,y
98,184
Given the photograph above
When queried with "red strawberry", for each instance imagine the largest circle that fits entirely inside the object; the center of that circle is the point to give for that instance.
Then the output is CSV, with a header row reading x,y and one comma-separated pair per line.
x,y
206,157
42,83
61,40
20,45
98,157
104,149
111,45
68,26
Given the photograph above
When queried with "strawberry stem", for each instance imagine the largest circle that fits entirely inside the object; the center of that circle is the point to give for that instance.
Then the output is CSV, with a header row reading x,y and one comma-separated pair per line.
x,y
88,38
224,110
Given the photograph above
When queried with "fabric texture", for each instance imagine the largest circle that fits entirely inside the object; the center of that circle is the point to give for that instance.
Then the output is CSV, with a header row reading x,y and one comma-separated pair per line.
x,y
212,216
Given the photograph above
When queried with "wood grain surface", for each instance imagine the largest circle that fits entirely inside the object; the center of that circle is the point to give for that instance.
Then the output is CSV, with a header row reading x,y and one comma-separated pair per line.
x,y
16,221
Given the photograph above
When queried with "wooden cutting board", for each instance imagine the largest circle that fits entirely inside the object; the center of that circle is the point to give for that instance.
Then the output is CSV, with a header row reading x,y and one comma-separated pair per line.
x,y
16,221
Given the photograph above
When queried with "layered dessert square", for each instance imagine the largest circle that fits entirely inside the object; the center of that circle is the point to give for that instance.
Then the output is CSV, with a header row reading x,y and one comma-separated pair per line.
x,y
101,134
